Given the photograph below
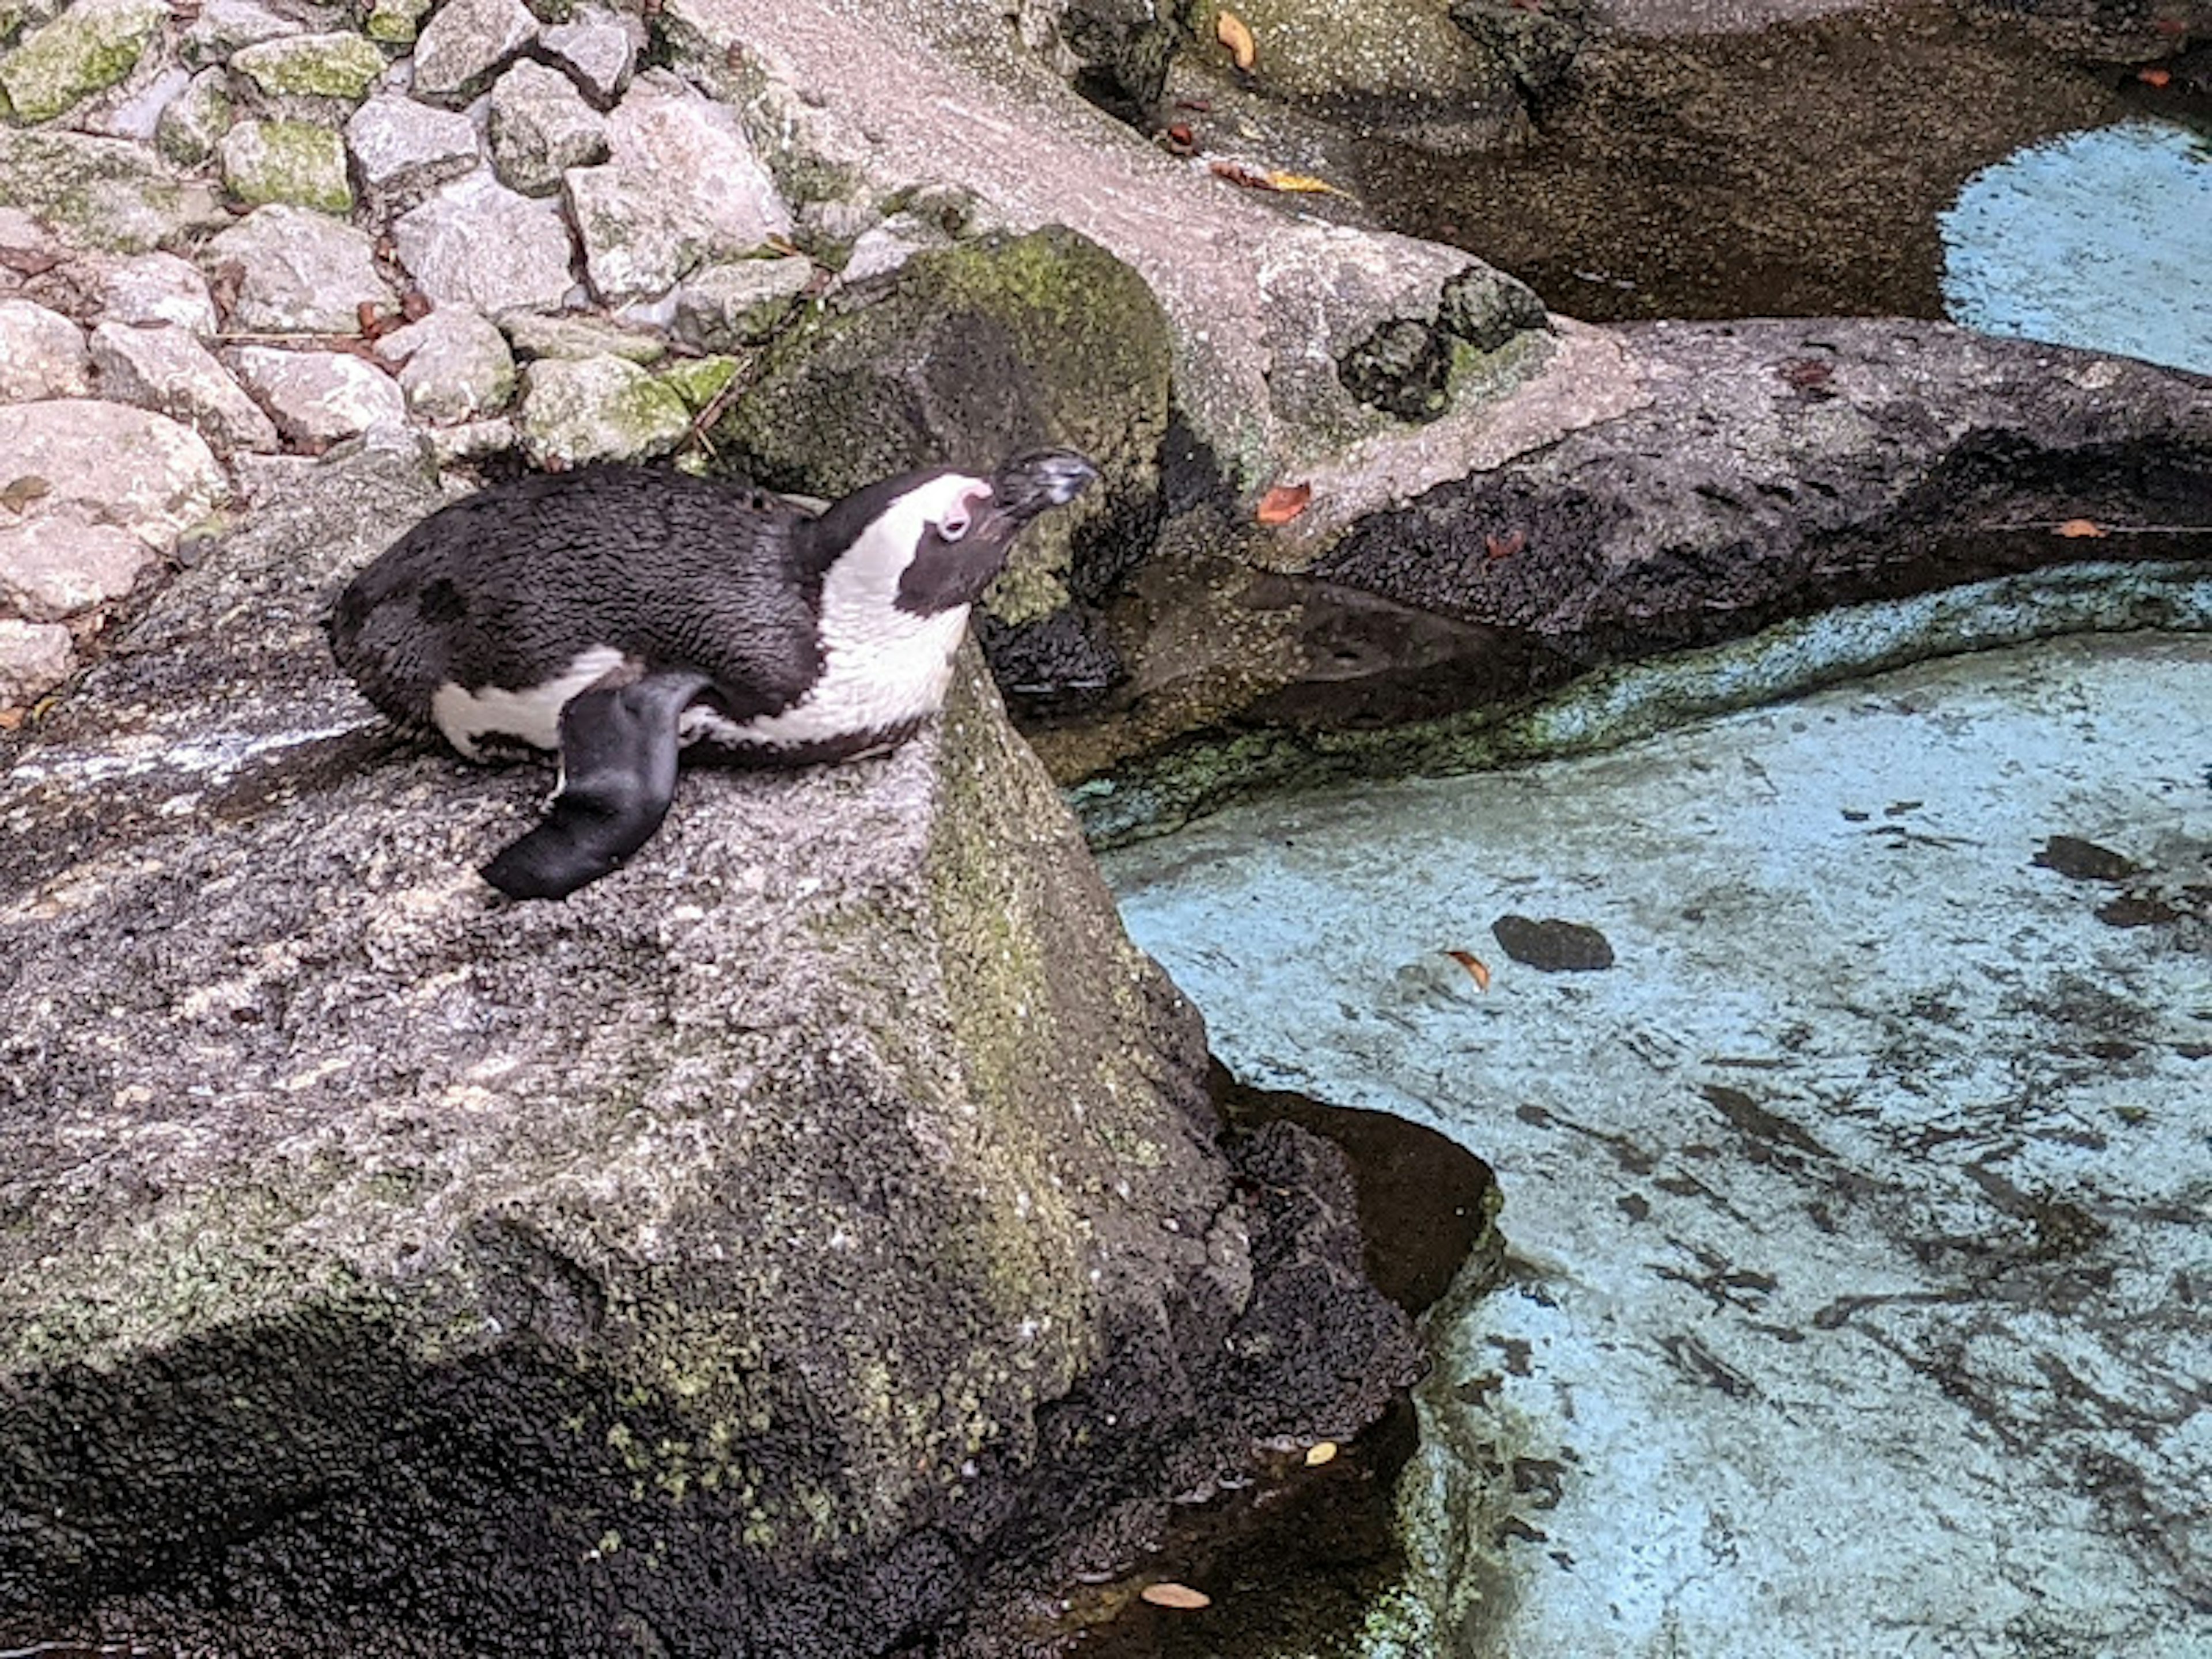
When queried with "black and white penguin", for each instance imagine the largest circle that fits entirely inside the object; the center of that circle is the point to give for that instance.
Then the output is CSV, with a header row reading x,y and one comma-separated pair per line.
x,y
620,615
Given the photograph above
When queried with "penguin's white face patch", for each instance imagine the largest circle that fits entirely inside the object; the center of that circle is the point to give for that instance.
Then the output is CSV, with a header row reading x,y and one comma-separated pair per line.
x,y
530,715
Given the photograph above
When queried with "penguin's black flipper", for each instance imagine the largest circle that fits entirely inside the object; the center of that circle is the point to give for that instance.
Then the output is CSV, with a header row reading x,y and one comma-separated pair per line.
x,y
618,751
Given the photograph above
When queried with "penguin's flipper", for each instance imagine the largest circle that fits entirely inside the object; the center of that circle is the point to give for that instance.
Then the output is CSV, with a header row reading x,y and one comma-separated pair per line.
x,y
618,753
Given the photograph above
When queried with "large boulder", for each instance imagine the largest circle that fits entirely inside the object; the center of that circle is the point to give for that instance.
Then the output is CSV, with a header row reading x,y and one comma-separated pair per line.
x,y
773,1251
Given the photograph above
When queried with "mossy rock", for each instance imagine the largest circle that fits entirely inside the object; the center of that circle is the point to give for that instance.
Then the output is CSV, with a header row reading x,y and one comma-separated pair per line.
x,y
289,161
109,193
338,65
972,354
87,49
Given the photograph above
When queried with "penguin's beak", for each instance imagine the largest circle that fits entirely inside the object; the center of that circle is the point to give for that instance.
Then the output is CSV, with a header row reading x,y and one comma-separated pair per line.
x,y
1030,484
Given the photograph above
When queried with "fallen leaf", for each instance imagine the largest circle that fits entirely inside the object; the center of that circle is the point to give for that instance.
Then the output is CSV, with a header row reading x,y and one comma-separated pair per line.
x,y
1303,184
10,718
2155,77
1231,30
1284,503
415,305
2077,529
1167,1593
1237,173
23,491
1506,546
782,245
1477,969
1320,1452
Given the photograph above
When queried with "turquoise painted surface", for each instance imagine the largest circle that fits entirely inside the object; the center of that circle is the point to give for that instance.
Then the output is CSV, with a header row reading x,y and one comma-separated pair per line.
x,y
2098,239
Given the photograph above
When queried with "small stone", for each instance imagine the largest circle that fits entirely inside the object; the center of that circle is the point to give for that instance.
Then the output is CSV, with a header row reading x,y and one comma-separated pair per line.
x,y
728,308
466,42
683,189
541,127
478,244
108,464
164,368
455,365
396,22
470,441
193,122
320,396
158,287
602,46
2085,860
337,65
597,408
299,272
575,337
405,150
139,116
42,354
89,48
1554,946
225,27
63,564
292,161
35,658
107,192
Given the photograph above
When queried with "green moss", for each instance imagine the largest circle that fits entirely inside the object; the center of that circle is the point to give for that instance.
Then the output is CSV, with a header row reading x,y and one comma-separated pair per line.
x,y
700,380
312,65
289,162
86,49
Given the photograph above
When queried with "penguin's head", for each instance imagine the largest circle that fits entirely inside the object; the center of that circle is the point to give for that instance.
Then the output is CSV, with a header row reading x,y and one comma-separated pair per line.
x,y
941,536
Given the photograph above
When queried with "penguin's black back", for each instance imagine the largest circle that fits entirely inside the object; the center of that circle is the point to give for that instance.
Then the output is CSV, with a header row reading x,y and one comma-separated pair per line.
x,y
506,588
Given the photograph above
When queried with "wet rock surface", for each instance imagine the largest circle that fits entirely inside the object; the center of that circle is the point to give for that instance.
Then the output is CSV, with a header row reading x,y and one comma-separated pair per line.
x,y
1852,1216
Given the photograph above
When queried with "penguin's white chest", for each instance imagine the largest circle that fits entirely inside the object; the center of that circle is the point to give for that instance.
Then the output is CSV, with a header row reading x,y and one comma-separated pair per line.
x,y
882,671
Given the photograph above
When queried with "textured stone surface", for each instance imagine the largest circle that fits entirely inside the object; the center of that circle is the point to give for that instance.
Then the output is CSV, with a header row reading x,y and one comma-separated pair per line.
x,y
583,335
317,397
683,189
158,288
104,463
90,47
541,127
60,565
341,65
224,27
465,43
475,243
588,409
726,307
293,162
601,46
404,149
35,658
192,123
455,365
108,192
165,369
299,271
42,353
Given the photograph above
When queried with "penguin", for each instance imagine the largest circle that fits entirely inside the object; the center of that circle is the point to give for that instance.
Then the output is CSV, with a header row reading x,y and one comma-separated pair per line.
x,y
624,618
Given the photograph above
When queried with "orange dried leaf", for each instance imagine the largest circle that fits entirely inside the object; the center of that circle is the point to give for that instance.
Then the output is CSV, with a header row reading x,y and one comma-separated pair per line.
x,y
1237,173
2075,529
1320,1452
1232,31
2155,77
1168,1594
1303,184
1505,547
1284,503
1477,969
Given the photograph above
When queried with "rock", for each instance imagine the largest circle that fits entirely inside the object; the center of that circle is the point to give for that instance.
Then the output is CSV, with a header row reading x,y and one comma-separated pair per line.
x,y
341,65
601,46
683,189
728,308
158,288
404,150
41,353
289,161
139,115
397,22
475,243
471,440
1538,45
192,123
576,336
883,248
595,408
320,396
466,43
35,658
1552,944
164,368
108,193
1114,52
540,128
59,566
90,47
699,380
105,463
455,365
299,272
225,27
789,1237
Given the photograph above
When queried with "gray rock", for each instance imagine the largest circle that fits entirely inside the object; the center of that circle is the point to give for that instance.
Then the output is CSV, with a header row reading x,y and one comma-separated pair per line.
x,y
139,115
35,658
320,396
62,565
292,161
478,244
108,193
225,27
683,189
593,409
883,248
601,46
453,365
90,47
728,308
192,123
1114,53
164,368
341,65
470,441
403,150
42,353
299,272
158,288
541,127
573,336
106,464
466,43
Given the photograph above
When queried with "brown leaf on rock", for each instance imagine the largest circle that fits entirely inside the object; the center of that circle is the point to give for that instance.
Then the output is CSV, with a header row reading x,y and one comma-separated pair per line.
x,y
1237,173
1169,1593
20,493
1233,33
2078,529
1477,969
2155,77
1505,547
1283,503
